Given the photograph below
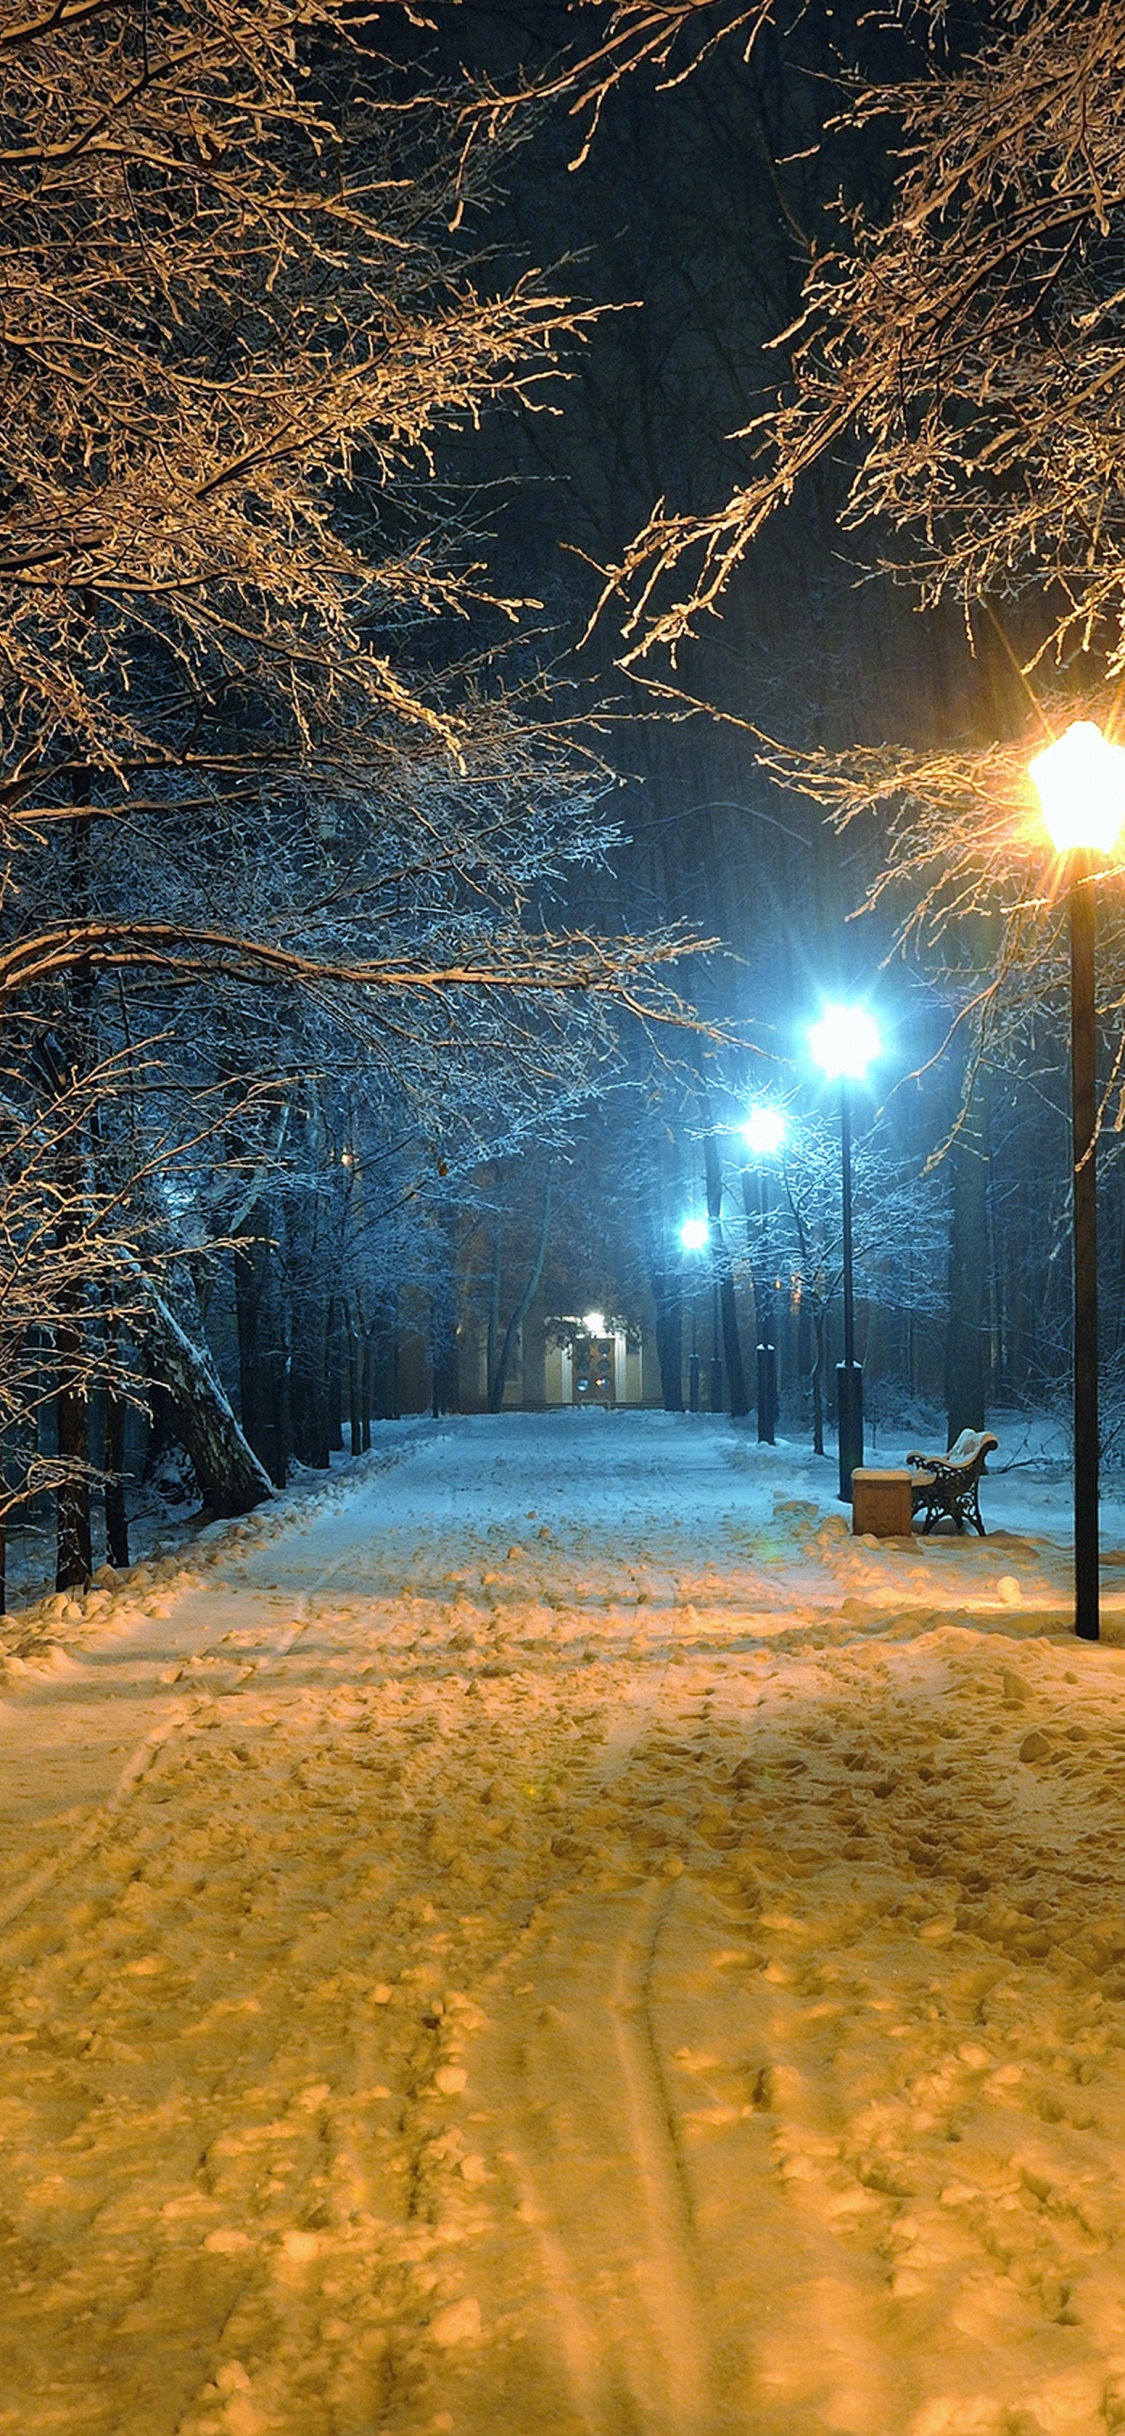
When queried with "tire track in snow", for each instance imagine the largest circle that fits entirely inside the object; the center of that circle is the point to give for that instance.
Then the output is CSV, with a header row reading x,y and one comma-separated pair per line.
x,y
138,1765
667,2263
593,2141
591,2146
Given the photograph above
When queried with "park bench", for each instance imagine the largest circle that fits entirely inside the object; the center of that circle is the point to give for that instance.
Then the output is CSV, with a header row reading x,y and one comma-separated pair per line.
x,y
950,1483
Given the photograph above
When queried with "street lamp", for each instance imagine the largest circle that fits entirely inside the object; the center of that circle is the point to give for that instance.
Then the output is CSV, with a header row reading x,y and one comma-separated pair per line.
x,y
844,1044
764,1131
763,1134
1080,781
695,1235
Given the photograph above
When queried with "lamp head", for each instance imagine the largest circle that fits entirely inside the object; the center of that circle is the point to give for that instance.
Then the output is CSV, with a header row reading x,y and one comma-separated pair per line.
x,y
594,1323
764,1131
845,1043
695,1234
1080,781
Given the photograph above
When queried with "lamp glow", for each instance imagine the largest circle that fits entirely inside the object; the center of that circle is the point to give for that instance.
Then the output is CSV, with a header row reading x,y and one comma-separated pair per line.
x,y
695,1234
844,1043
764,1131
594,1323
1080,781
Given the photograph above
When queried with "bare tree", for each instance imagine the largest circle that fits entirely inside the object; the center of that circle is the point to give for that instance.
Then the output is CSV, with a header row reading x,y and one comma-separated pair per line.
x,y
959,353
963,345
249,762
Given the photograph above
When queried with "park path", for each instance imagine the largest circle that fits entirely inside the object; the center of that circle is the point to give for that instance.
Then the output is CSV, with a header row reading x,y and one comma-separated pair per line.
x,y
543,1942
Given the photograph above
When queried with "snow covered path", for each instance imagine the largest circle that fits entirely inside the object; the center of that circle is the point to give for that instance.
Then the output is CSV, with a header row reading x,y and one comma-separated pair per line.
x,y
558,1940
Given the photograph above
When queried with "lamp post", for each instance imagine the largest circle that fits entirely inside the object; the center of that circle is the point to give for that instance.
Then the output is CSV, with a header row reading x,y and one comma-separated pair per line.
x,y
1080,781
764,1133
844,1044
695,1235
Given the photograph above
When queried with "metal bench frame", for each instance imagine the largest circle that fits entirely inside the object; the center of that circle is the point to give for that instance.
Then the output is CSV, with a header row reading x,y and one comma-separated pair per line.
x,y
950,1483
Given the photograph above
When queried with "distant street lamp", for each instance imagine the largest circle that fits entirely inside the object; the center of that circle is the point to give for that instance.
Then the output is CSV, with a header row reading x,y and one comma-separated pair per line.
x,y
763,1134
695,1235
764,1131
1080,781
844,1044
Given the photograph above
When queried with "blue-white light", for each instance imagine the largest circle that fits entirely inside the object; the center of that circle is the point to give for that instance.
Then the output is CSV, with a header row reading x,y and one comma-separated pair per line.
x,y
764,1131
844,1043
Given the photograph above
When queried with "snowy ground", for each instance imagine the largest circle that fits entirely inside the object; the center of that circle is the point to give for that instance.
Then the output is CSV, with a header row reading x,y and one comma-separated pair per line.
x,y
554,1938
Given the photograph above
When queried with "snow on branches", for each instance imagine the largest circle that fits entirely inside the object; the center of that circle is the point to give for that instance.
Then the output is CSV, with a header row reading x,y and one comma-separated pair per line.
x,y
234,332
671,38
962,352
269,793
225,290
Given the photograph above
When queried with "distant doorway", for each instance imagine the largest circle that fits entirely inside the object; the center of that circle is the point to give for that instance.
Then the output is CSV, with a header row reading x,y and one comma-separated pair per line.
x,y
595,1358
595,1370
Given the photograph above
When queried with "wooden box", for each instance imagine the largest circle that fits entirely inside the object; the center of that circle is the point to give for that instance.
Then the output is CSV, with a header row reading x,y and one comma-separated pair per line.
x,y
881,1502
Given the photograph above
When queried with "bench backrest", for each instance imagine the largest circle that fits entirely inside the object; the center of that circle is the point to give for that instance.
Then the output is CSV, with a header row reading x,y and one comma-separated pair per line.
x,y
966,1454
971,1447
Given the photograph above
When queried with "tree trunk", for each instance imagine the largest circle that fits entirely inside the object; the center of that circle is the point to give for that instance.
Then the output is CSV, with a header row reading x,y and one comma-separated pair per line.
x,y
161,1434
355,1384
383,1367
670,1341
262,1365
445,1383
732,1343
499,1380
967,1342
309,1381
493,1345
231,1479
116,1520
74,1560
665,1277
335,1381
820,1339
808,1356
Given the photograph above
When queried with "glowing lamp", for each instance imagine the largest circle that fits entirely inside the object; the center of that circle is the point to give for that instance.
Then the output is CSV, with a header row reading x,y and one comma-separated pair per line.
x,y
1080,781
845,1043
594,1323
695,1234
764,1131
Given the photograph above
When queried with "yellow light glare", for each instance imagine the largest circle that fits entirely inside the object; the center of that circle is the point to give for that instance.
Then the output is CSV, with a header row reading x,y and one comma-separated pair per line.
x,y
845,1043
1080,782
764,1131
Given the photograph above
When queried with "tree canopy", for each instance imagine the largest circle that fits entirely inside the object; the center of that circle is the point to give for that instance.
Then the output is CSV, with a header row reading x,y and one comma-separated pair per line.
x,y
262,742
